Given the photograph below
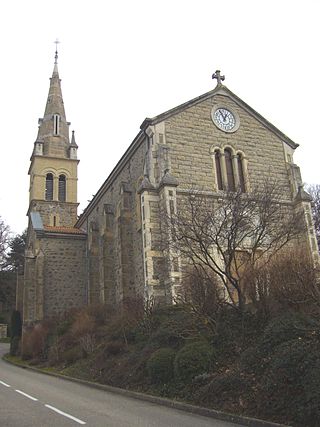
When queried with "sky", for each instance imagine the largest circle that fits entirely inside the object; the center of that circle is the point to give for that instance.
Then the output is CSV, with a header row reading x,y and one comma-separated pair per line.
x,y
122,61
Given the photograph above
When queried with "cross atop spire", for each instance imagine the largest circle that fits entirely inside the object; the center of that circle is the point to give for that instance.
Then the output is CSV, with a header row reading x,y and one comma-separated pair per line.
x,y
56,54
217,76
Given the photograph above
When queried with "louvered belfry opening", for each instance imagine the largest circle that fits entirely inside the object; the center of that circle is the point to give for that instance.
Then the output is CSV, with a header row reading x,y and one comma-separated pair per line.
x,y
62,188
49,187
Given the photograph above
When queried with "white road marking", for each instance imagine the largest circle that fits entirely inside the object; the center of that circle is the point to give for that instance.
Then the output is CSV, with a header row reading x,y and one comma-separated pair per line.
x,y
65,414
26,395
5,384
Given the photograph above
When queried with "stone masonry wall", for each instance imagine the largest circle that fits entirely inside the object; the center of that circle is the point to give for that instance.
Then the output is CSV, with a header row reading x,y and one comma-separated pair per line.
x,y
191,134
65,275
120,272
65,213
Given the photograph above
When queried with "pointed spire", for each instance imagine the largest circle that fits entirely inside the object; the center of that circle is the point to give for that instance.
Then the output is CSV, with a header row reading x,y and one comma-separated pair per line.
x,y
55,68
73,141
302,195
53,127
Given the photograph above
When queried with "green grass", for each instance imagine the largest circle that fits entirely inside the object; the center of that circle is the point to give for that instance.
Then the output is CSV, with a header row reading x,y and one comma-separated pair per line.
x,y
6,340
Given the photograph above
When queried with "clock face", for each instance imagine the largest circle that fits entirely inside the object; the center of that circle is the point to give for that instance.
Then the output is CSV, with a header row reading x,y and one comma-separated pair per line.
x,y
224,119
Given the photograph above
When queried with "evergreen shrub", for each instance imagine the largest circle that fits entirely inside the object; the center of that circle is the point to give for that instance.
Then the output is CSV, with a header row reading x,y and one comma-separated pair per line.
x,y
193,359
16,324
284,328
290,385
14,346
160,365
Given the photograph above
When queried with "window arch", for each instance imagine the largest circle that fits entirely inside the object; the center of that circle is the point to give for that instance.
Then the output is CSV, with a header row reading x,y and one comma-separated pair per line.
x,y
229,170
62,188
49,187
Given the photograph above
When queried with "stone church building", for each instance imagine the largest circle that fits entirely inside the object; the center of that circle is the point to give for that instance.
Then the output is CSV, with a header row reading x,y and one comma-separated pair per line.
x,y
111,252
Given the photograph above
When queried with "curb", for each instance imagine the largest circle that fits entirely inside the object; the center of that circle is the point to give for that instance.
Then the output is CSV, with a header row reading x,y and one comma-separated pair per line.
x,y
212,413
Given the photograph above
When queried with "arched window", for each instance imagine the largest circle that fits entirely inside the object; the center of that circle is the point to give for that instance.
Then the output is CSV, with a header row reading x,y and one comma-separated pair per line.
x,y
56,124
240,172
229,170
49,187
62,188
218,169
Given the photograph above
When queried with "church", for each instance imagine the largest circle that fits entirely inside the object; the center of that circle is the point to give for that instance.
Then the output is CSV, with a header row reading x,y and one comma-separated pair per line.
x,y
216,142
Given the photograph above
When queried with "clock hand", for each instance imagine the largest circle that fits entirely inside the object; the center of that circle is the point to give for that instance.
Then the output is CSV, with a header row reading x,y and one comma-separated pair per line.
x,y
222,115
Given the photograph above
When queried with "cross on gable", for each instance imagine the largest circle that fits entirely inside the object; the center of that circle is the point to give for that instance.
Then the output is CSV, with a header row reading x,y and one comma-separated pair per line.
x,y
217,76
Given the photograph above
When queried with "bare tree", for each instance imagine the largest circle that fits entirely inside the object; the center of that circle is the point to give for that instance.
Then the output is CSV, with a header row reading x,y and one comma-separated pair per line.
x,y
4,240
232,234
314,191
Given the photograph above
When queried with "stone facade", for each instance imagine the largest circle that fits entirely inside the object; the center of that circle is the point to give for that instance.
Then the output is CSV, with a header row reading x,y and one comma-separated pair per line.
x,y
115,249
172,153
55,279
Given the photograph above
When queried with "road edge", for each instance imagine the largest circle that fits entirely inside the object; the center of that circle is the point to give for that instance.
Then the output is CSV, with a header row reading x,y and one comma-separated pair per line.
x,y
212,413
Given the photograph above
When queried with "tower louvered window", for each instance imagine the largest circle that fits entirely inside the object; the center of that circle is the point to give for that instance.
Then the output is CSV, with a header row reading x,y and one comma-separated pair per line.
x,y
49,187
62,188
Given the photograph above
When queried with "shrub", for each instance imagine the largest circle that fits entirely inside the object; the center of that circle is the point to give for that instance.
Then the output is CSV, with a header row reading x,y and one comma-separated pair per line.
x,y
160,365
290,386
193,359
15,346
113,348
223,387
173,326
16,324
35,345
251,359
285,328
71,355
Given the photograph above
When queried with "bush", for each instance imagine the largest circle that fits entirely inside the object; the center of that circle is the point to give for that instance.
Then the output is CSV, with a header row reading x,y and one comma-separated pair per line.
x,y
71,355
160,365
16,324
193,359
285,328
224,387
173,326
35,345
14,346
290,386
113,348
251,359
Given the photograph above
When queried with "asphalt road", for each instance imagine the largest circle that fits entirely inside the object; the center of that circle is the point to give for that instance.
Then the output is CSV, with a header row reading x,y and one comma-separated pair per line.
x,y
31,399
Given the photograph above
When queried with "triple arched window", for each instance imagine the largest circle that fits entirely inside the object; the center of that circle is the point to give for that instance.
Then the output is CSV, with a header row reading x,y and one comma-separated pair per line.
x,y
50,185
230,169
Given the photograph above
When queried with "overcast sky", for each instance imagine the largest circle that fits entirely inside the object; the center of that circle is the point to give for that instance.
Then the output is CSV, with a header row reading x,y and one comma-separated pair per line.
x,y
122,61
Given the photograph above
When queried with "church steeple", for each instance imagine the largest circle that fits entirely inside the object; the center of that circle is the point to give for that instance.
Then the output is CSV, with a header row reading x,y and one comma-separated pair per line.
x,y
53,127
53,169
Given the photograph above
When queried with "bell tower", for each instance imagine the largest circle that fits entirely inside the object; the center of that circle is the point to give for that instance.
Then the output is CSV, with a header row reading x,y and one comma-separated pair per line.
x,y
53,168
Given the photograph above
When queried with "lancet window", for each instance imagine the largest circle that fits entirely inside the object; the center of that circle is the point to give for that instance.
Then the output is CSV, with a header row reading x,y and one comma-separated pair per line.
x,y
49,187
218,169
56,124
62,188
